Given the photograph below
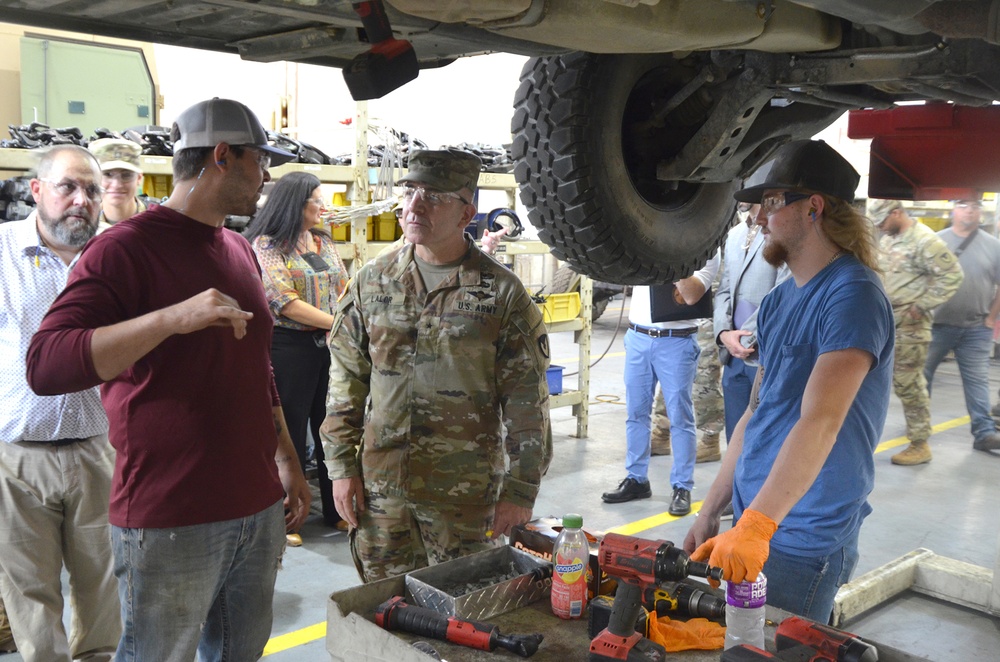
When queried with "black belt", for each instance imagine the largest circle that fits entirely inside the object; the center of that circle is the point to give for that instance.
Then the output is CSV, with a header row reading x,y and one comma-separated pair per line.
x,y
663,333
55,442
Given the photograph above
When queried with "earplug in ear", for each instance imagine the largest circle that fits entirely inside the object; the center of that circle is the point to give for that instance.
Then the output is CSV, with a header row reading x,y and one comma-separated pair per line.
x,y
812,210
222,162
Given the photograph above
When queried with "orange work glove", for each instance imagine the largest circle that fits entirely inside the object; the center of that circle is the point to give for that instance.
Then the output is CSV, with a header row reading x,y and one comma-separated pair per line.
x,y
693,634
742,550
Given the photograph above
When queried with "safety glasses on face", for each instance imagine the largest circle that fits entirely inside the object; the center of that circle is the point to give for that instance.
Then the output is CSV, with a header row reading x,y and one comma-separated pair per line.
x,y
968,204
772,203
67,188
317,201
263,158
431,196
124,176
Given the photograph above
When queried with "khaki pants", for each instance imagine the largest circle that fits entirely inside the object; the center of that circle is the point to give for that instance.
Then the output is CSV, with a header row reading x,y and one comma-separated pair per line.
x,y
55,512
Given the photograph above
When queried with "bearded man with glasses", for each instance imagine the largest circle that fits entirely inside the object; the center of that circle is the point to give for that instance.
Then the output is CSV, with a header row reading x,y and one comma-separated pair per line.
x,y
800,465
55,460
437,429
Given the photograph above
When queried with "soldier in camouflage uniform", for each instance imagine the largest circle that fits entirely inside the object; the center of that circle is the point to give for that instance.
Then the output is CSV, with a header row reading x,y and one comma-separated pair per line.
x,y
708,405
437,430
919,273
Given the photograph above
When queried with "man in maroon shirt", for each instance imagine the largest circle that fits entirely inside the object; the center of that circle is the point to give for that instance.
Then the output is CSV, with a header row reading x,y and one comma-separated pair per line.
x,y
167,312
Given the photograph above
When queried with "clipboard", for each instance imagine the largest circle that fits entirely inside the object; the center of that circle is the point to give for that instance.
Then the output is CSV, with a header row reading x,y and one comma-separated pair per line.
x,y
666,305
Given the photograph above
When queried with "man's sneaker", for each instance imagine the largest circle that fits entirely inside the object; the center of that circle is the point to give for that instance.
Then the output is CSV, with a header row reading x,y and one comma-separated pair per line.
x,y
680,503
727,512
988,442
918,452
628,490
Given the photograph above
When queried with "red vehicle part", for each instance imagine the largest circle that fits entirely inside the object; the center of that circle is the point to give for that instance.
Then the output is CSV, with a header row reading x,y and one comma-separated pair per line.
x,y
935,151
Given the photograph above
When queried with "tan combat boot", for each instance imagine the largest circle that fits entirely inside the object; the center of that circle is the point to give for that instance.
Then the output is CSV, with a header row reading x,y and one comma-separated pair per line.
x,y
659,440
708,450
918,452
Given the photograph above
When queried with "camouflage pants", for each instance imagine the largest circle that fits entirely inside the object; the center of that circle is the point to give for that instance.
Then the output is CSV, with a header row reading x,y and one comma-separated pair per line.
x,y
911,388
709,412
6,638
395,536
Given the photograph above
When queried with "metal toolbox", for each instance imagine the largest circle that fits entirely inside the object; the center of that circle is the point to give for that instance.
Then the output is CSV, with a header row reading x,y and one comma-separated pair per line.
x,y
480,586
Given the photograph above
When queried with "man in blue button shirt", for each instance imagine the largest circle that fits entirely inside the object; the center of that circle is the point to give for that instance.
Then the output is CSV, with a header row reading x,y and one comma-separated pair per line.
x,y
55,460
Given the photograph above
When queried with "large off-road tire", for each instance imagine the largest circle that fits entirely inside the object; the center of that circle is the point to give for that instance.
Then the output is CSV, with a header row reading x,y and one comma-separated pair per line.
x,y
567,280
586,158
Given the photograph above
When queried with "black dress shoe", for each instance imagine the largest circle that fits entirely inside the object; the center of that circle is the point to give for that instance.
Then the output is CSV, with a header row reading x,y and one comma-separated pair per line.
x,y
680,503
628,490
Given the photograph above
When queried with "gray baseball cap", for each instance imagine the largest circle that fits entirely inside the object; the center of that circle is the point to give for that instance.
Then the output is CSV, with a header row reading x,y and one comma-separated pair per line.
x,y
446,169
804,165
208,123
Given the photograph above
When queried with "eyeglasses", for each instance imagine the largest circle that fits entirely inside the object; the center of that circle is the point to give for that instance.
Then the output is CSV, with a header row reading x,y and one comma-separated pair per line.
x,y
263,158
67,188
431,196
124,176
317,201
968,204
773,203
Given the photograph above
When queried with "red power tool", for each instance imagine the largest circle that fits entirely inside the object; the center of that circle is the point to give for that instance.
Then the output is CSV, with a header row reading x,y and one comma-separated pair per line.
x,y
798,639
395,614
638,564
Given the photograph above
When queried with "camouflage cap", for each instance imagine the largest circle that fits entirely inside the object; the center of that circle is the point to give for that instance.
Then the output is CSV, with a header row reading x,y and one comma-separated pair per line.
x,y
879,209
447,169
116,154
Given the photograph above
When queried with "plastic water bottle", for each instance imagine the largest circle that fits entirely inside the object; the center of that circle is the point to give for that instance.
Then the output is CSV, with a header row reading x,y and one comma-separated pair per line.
x,y
745,612
571,556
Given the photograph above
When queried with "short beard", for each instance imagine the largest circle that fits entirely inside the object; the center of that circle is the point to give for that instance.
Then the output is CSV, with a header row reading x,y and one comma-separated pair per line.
x,y
70,233
775,253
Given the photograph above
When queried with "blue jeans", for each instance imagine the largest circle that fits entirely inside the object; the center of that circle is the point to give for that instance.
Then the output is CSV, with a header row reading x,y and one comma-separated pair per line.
x,y
737,382
672,363
807,585
205,588
972,346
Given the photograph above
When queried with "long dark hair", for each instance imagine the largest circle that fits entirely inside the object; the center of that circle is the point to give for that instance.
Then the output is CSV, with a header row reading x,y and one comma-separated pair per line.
x,y
281,216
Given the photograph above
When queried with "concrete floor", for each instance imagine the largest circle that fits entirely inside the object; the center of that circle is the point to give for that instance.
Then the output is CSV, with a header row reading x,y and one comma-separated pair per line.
x,y
943,506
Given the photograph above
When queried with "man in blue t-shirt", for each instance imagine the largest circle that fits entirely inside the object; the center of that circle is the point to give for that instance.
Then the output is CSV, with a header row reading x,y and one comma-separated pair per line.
x,y
800,465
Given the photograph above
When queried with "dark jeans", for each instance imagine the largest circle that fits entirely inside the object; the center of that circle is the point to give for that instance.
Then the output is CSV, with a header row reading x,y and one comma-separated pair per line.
x,y
301,363
737,383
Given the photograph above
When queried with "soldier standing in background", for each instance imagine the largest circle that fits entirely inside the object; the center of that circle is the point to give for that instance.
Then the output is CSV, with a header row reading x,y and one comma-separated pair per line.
x,y
919,273
437,429
121,177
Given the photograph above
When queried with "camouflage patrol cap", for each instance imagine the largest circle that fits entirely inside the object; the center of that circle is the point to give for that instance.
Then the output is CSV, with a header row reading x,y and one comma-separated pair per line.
x,y
116,154
446,169
879,209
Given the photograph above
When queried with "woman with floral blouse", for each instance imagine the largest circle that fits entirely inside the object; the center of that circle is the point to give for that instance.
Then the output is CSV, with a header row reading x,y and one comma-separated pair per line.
x,y
303,276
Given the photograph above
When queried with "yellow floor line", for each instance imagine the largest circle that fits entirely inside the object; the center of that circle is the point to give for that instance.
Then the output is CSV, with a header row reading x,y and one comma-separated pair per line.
x,y
296,638
940,427
318,631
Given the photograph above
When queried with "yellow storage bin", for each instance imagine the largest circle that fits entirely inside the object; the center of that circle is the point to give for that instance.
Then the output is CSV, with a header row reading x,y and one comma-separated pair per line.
x,y
387,226
341,232
561,307
157,186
